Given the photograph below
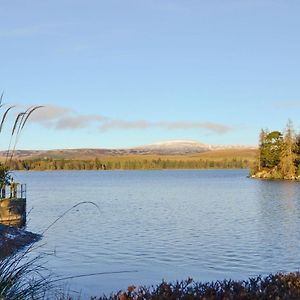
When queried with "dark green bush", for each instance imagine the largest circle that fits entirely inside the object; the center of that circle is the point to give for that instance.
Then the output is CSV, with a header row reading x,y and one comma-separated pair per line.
x,y
279,286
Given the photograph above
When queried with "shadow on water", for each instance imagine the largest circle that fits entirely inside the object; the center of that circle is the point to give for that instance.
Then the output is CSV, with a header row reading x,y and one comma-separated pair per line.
x,y
279,223
285,201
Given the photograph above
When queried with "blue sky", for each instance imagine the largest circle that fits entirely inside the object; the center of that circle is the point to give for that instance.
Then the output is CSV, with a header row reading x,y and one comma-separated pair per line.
x,y
121,73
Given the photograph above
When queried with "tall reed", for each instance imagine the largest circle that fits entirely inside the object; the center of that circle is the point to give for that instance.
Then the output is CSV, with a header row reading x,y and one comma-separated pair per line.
x,y
19,123
23,278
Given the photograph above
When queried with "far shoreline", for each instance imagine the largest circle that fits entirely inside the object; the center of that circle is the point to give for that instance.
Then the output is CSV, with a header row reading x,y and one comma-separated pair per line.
x,y
112,170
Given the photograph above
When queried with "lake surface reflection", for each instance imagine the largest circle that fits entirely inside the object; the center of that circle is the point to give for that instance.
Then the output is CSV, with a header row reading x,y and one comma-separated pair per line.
x,y
208,225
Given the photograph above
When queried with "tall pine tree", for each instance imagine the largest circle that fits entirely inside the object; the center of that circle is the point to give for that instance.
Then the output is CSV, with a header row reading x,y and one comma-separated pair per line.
x,y
262,140
287,153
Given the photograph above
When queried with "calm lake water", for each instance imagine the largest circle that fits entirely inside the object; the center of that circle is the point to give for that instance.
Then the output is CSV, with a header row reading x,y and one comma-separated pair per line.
x,y
208,225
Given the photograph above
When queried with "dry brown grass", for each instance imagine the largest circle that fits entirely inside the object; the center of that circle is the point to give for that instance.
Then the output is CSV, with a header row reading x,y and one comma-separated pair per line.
x,y
90,154
217,155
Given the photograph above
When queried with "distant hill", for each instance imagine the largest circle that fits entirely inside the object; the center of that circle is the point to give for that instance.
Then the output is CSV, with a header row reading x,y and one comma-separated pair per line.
x,y
176,147
185,147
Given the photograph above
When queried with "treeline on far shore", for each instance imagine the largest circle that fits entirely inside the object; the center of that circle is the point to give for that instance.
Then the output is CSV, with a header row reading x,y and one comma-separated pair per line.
x,y
129,164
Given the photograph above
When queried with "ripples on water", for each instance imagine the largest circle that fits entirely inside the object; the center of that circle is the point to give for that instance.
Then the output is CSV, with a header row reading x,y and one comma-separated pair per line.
x,y
169,225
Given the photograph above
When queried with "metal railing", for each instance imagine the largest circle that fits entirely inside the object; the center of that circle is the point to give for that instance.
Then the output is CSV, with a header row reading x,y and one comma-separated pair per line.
x,y
13,191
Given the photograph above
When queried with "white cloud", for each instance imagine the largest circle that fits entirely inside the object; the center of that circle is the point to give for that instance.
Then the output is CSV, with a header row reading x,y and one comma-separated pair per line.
x,y
143,124
75,122
63,118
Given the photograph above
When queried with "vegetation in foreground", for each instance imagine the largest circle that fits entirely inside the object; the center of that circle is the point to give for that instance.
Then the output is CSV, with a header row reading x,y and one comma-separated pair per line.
x,y
22,277
278,286
279,155
15,284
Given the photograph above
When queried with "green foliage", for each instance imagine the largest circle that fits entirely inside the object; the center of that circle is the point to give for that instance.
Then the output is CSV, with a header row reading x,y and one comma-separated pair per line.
x,y
5,176
270,149
297,149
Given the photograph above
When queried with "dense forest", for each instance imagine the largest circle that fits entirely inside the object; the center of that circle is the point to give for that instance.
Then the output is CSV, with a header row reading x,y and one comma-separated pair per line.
x,y
279,154
128,164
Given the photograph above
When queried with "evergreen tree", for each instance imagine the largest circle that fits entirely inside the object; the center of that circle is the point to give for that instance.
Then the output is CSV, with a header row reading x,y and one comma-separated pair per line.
x,y
271,149
288,153
297,152
262,141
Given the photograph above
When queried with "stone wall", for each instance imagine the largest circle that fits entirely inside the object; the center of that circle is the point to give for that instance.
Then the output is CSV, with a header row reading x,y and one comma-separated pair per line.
x,y
13,211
